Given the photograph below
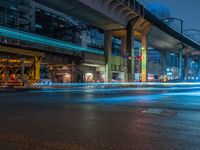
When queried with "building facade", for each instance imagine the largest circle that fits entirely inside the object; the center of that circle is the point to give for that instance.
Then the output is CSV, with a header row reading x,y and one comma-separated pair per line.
x,y
50,63
59,64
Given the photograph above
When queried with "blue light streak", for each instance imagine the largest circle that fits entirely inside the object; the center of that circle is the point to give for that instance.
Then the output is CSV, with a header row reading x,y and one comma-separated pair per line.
x,y
129,95
107,90
127,99
116,84
15,34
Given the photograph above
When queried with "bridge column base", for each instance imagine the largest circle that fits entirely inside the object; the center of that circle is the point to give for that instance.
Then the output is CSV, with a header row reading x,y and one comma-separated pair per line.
x,y
164,63
180,64
108,54
198,68
145,57
22,68
37,68
130,51
123,54
186,68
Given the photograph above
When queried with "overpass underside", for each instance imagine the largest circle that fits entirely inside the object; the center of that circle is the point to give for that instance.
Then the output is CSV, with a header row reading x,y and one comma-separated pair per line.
x,y
127,20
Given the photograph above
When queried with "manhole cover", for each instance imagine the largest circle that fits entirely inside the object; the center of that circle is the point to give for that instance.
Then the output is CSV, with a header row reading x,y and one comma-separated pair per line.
x,y
161,112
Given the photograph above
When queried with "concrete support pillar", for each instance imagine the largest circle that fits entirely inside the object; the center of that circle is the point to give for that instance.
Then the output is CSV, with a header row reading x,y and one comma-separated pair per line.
x,y
123,54
22,68
37,68
6,74
180,64
108,54
145,57
130,51
164,62
123,46
199,67
186,68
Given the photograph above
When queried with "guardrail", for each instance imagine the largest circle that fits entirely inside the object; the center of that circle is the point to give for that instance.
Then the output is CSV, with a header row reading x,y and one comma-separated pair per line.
x,y
140,6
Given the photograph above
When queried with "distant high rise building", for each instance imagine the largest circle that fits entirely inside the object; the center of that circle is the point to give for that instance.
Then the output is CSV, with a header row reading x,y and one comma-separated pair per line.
x,y
8,13
16,14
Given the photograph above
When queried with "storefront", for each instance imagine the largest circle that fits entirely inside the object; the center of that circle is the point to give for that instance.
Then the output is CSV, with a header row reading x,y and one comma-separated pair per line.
x,y
62,73
91,73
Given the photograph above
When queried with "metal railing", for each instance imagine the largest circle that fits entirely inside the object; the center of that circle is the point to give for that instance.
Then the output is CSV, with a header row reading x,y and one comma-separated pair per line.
x,y
139,5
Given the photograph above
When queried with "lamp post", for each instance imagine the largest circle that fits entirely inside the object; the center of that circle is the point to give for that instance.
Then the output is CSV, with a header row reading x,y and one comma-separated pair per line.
x,y
191,35
173,18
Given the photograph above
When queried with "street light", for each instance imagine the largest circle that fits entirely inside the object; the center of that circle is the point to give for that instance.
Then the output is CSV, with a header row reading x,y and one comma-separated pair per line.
x,y
191,35
191,30
173,18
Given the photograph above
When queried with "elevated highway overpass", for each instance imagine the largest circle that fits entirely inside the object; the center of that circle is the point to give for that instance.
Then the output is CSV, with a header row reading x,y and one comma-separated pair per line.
x,y
125,18
116,14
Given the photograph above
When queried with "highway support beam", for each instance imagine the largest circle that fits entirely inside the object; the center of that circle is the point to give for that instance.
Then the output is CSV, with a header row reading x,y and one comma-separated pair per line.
x,y
164,62
132,25
180,64
123,54
130,50
198,67
6,73
108,55
145,54
37,68
22,68
186,68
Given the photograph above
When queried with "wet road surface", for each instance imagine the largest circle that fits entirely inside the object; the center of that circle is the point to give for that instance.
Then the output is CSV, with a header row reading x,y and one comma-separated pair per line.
x,y
120,118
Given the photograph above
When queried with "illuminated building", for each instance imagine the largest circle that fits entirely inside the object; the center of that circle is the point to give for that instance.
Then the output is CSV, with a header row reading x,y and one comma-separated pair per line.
x,y
78,41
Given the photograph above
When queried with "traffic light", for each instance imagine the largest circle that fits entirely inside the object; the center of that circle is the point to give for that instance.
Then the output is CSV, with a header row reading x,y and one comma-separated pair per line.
x,y
141,57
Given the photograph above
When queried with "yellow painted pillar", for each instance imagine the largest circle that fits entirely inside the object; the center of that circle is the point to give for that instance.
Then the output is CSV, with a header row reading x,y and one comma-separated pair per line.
x,y
145,57
145,53
22,68
108,55
37,68
6,73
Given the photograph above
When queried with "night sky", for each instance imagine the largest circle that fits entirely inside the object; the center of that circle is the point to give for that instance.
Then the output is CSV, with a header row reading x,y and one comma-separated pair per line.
x,y
188,10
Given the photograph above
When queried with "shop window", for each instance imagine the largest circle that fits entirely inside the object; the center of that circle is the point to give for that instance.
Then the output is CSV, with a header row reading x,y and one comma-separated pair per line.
x,y
89,77
67,77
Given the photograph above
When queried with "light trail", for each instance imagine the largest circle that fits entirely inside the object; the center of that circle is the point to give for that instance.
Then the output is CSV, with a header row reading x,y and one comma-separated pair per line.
x,y
142,99
119,95
94,90
115,84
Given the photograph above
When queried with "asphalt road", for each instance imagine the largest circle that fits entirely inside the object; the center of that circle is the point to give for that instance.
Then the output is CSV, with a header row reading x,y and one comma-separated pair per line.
x,y
121,118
